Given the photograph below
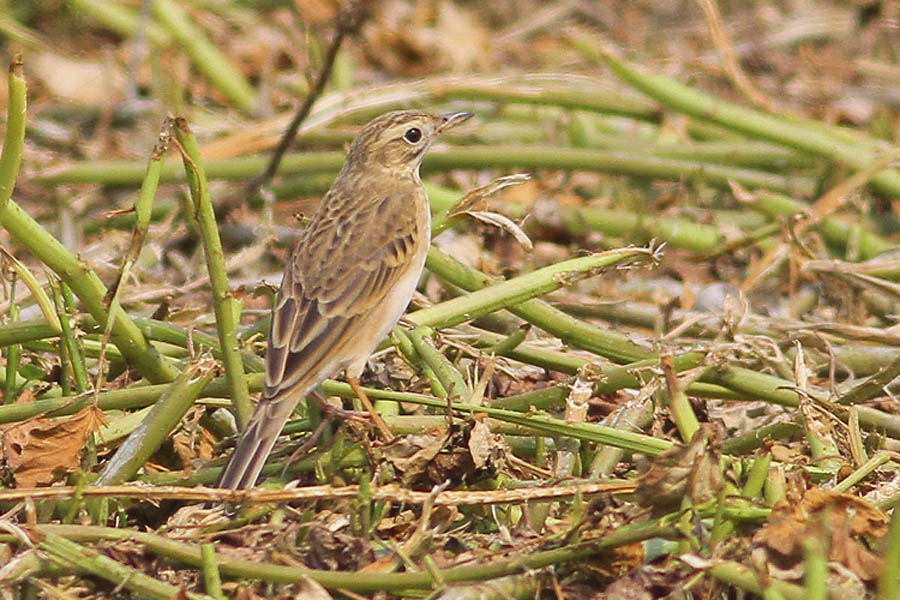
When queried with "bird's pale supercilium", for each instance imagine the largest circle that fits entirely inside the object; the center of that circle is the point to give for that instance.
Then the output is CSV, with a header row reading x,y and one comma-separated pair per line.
x,y
349,279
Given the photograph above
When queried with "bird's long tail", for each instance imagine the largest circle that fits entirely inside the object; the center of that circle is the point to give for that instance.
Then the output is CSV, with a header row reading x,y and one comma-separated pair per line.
x,y
258,438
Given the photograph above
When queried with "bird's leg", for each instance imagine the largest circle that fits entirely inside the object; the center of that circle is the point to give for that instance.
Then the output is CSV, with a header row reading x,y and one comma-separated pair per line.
x,y
386,435
330,411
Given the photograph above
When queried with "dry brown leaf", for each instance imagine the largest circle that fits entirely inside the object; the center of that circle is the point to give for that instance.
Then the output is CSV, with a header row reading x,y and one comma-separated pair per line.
x,y
485,447
336,550
841,519
411,454
190,447
41,451
693,469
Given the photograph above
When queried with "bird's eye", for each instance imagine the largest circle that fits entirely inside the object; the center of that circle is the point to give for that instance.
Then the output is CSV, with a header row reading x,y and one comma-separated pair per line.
x,y
413,135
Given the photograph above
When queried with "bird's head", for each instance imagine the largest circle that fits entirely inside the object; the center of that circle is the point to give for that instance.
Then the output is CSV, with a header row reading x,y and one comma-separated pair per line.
x,y
398,140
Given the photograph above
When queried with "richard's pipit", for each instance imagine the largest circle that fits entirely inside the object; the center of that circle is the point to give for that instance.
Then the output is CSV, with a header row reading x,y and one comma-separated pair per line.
x,y
349,280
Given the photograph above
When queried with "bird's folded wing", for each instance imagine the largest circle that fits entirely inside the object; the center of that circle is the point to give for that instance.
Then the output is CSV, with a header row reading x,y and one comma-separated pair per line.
x,y
343,267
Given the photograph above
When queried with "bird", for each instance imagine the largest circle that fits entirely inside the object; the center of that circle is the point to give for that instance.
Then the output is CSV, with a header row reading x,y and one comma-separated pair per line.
x,y
349,279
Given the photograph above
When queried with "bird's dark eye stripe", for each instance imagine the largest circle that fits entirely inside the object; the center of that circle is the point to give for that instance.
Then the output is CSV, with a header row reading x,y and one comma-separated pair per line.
x,y
413,135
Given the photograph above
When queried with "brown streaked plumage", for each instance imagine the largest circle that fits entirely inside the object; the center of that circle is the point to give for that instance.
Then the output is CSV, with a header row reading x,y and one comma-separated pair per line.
x,y
349,279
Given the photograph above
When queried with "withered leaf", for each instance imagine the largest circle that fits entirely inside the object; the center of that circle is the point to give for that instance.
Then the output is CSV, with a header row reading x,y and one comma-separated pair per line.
x,y
41,451
485,447
411,454
842,520
693,470
336,550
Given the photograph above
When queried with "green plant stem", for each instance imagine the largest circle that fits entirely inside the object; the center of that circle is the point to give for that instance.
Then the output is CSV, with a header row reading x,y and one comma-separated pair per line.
x,y
803,137
183,337
680,408
205,56
143,207
531,354
759,471
451,380
639,228
370,582
353,457
743,153
873,385
31,330
13,352
46,248
14,141
158,425
224,303
610,102
862,472
754,439
406,424
508,344
780,391
632,416
589,432
860,358
211,579
889,581
405,348
740,576
610,344
127,172
835,231
76,350
616,162
518,290
97,564
815,550
484,157
37,291
121,20
775,486
139,396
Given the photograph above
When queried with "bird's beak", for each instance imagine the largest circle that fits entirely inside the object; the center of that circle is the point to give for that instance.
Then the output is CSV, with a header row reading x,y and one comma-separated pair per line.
x,y
452,120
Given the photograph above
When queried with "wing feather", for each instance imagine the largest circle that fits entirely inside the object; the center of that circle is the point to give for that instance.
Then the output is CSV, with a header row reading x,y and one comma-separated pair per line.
x,y
341,269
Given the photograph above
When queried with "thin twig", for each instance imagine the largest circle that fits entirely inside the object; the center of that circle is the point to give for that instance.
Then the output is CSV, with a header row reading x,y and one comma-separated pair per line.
x,y
347,23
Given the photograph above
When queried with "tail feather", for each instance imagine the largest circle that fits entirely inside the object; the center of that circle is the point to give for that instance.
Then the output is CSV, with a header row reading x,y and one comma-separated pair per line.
x,y
258,439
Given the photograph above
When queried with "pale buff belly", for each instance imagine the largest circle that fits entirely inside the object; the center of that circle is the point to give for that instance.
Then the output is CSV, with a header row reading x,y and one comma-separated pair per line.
x,y
384,316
